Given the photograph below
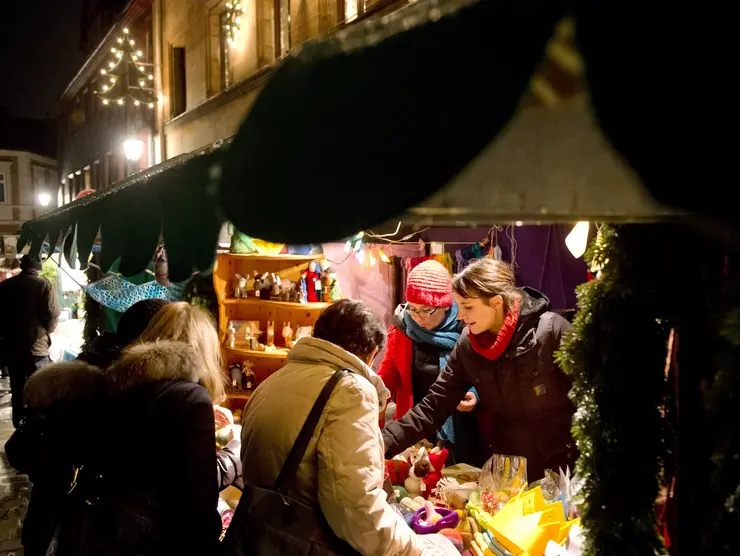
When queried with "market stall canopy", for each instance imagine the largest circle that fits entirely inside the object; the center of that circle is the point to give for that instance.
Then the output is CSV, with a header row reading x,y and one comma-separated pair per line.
x,y
358,127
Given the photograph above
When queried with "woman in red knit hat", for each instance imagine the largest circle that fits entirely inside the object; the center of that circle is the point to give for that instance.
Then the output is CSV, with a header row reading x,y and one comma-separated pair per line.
x,y
507,352
423,333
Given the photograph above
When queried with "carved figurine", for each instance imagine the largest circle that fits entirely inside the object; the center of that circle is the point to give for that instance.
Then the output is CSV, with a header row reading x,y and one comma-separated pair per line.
x,y
235,370
241,290
270,333
249,376
232,334
303,332
288,335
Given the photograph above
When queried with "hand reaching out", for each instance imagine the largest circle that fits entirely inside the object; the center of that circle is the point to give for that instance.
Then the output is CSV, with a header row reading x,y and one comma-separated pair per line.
x,y
468,403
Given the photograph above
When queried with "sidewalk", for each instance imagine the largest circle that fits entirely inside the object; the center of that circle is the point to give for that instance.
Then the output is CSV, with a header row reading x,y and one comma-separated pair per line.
x,y
15,489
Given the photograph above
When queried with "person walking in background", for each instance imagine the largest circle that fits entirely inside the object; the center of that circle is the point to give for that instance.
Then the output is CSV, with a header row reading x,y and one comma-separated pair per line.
x,y
507,352
123,460
30,315
420,340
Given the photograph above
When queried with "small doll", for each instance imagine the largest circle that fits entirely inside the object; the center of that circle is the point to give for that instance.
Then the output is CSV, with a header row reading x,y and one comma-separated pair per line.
x,y
249,377
235,370
420,467
312,282
232,334
270,333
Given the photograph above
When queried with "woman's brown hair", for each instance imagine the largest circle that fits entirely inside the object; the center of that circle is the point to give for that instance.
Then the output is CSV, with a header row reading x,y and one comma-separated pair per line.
x,y
487,278
182,322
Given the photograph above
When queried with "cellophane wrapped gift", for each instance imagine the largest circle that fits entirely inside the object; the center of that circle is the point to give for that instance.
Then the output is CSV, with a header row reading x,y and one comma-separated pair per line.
x,y
502,477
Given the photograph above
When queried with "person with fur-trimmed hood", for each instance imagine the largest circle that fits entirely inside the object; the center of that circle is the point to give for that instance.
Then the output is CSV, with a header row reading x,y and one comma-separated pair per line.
x,y
123,461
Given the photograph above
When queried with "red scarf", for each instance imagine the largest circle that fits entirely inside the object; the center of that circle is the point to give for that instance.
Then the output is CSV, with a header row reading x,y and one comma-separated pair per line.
x,y
492,346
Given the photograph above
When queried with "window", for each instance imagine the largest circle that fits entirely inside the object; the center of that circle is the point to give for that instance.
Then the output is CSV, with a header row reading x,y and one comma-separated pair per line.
x,y
3,195
282,27
223,52
179,84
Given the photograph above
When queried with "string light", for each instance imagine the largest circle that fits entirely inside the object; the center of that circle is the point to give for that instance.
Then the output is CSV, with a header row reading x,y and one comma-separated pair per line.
x,y
232,20
127,76
383,256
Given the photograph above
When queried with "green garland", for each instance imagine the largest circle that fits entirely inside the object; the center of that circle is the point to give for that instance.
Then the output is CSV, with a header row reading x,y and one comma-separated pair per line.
x,y
616,356
720,535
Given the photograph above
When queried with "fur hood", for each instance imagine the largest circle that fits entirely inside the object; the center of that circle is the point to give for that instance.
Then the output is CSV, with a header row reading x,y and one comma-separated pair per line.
x,y
76,381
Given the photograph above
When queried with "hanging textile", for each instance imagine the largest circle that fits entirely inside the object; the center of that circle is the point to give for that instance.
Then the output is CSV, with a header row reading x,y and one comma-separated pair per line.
x,y
119,294
445,259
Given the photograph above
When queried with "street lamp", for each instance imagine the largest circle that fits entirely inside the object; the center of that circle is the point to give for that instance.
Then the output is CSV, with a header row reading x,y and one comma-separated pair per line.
x,y
133,148
44,199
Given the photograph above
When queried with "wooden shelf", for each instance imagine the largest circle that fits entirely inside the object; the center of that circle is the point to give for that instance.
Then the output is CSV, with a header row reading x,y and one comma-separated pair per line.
x,y
282,304
235,394
257,257
278,354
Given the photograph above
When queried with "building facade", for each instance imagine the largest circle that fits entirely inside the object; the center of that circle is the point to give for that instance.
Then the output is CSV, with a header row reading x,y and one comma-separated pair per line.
x,y
215,55
91,134
27,185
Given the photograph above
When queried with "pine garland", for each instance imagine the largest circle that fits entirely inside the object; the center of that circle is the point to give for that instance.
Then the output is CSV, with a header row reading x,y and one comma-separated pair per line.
x,y
616,356
723,405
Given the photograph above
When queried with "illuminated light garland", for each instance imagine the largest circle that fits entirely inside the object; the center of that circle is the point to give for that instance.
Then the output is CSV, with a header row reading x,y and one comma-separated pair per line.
x,y
233,20
126,76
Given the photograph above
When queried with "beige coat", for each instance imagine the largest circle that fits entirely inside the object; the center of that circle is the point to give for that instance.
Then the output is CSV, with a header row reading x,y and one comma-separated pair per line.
x,y
343,467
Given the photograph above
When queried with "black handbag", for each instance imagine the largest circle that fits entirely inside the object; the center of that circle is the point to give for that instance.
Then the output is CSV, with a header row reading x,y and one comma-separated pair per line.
x,y
268,522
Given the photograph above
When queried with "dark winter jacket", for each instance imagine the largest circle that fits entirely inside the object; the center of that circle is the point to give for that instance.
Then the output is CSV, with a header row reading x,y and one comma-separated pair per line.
x,y
142,435
523,396
30,315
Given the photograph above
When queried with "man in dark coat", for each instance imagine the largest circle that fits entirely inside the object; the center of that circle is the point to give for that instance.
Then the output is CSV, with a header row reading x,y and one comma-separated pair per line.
x,y
30,315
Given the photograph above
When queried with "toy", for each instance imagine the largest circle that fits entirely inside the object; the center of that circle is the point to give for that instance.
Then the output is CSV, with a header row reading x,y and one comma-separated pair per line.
x,y
235,370
437,459
429,519
263,285
419,469
285,290
455,538
240,292
330,285
270,333
249,376
312,282
288,335
303,332
232,334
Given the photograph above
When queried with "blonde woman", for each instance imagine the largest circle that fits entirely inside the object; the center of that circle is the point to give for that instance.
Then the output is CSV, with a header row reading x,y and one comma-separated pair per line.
x,y
123,461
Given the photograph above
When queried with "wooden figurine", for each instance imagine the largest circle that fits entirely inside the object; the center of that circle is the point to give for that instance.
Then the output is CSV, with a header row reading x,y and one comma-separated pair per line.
x,y
287,335
232,334
235,370
303,332
270,333
241,290
249,376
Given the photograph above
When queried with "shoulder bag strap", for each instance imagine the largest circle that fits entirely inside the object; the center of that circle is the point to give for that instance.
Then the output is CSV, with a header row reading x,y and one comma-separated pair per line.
x,y
290,467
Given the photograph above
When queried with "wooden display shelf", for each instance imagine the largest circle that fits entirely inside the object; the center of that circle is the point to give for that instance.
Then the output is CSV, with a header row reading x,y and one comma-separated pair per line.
x,y
281,304
278,354
238,395
257,257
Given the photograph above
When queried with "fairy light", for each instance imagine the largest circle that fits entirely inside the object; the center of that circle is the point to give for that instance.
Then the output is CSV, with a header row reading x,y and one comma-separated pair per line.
x,y
233,20
127,76
383,256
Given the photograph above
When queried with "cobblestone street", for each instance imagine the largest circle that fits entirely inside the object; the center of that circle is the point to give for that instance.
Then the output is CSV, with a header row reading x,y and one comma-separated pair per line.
x,y
14,488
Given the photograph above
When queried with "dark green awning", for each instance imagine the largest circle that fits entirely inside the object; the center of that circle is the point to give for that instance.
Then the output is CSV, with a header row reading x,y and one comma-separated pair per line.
x,y
357,127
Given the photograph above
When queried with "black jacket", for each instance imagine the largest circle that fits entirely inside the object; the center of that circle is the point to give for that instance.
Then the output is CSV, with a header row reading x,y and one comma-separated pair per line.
x,y
523,406
143,432
30,314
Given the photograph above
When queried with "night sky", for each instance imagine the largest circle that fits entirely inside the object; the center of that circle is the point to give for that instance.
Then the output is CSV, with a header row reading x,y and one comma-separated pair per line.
x,y
39,54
